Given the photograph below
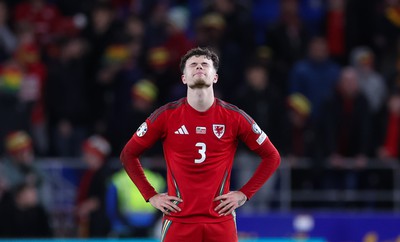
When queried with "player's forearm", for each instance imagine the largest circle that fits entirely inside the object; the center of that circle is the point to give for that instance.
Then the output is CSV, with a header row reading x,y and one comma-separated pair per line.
x,y
130,159
269,164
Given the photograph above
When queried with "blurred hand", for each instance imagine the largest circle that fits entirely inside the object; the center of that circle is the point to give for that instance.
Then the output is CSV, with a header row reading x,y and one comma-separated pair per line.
x,y
383,153
229,202
292,160
165,203
361,162
336,161
27,197
86,207
65,128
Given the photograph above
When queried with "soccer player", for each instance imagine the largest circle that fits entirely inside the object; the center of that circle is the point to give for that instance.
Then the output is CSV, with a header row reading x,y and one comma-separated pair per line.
x,y
200,134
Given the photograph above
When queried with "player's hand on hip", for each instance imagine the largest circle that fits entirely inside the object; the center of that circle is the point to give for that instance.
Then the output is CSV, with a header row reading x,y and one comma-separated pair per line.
x,y
165,203
230,202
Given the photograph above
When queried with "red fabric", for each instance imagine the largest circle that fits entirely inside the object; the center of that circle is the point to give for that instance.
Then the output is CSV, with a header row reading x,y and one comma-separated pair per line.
x,y
344,128
46,20
198,232
298,144
129,158
392,136
84,186
335,32
177,45
199,149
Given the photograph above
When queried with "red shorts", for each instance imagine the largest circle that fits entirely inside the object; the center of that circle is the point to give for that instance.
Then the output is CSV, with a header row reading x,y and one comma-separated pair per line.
x,y
199,232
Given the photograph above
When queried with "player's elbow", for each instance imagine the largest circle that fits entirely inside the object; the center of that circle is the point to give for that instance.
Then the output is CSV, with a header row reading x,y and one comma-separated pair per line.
x,y
276,159
270,154
126,154
132,150
122,156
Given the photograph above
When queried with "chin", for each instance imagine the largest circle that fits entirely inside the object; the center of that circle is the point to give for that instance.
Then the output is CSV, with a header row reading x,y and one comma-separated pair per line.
x,y
199,83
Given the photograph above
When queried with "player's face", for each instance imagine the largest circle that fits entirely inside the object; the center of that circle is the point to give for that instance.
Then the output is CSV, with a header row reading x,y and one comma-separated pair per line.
x,y
199,72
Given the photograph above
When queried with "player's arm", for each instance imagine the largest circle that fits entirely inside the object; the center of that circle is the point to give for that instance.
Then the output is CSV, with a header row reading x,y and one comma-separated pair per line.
x,y
256,139
130,160
270,161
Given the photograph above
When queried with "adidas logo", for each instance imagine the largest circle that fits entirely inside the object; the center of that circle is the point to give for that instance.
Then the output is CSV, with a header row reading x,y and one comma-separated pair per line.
x,y
182,130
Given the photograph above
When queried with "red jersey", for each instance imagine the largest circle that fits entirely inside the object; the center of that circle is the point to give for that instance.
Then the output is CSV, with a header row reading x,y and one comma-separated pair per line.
x,y
199,149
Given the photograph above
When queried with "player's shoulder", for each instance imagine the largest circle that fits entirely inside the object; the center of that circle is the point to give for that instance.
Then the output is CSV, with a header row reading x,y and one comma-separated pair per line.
x,y
166,108
232,109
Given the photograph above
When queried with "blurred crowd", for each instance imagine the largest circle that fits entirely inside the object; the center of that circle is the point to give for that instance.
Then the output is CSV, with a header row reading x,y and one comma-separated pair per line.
x,y
321,77
105,202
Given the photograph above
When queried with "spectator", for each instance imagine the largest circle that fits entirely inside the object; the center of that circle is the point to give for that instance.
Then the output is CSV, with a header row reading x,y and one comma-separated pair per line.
x,y
21,82
386,32
393,77
347,131
226,27
155,23
121,70
239,32
24,216
130,214
336,32
101,31
301,143
373,86
14,109
142,97
19,165
134,27
7,37
46,19
28,56
315,76
288,39
259,98
90,208
300,135
391,144
67,99
176,44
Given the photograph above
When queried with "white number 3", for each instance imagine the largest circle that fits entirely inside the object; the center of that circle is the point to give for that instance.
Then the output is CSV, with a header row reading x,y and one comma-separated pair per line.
x,y
202,152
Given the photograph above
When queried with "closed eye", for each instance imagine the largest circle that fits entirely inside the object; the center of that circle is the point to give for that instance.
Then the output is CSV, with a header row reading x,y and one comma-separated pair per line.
x,y
203,64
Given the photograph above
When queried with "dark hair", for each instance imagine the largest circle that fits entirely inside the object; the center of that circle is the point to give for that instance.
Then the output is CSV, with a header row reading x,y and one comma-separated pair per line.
x,y
208,53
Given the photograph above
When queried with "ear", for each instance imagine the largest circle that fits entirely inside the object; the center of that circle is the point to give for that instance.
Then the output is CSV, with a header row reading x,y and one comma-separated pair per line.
x,y
215,78
183,79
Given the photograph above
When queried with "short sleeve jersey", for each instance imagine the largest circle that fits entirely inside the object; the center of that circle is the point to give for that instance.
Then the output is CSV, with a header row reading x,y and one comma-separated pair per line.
x,y
199,148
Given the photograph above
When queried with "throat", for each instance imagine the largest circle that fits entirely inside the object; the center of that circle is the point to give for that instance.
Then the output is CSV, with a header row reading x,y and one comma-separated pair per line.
x,y
200,100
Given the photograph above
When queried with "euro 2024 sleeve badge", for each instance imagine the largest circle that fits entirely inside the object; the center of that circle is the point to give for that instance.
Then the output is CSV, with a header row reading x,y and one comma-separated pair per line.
x,y
142,130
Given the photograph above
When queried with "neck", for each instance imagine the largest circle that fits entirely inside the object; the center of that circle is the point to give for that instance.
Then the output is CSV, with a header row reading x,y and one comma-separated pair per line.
x,y
201,99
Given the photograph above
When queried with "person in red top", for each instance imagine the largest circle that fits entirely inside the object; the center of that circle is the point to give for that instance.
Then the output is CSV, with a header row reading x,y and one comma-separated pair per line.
x,y
200,134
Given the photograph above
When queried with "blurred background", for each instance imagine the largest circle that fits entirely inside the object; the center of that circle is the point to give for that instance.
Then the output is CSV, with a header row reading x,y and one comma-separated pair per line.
x,y
320,77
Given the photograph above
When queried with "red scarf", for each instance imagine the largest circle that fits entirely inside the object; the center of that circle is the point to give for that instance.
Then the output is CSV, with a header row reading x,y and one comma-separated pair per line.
x,y
84,186
392,136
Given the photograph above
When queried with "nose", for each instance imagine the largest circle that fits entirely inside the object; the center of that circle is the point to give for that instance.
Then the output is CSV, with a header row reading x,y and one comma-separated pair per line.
x,y
199,66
